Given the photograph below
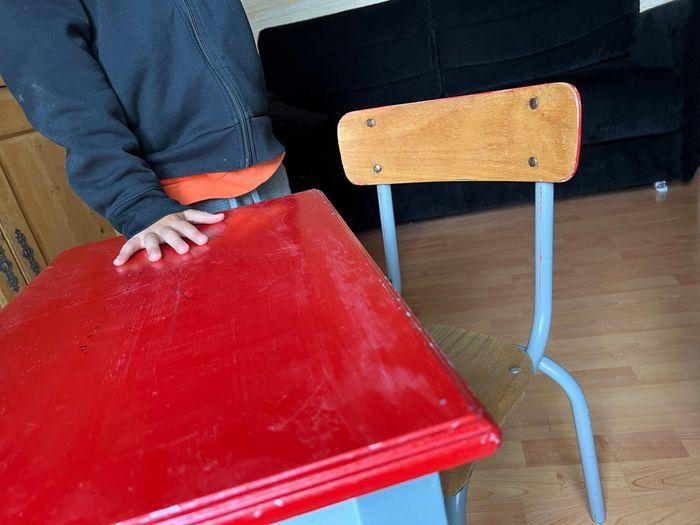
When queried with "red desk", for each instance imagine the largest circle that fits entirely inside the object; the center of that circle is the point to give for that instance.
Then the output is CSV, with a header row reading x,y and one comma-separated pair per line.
x,y
269,373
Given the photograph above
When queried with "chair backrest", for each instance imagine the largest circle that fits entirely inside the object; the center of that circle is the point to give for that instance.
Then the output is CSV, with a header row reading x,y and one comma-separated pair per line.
x,y
530,134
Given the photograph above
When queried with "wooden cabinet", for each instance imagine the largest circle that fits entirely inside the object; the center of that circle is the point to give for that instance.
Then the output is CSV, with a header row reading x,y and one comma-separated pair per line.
x,y
40,216
11,280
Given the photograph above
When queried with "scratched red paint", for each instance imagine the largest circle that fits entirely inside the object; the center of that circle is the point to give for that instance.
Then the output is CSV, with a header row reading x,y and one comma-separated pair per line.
x,y
267,374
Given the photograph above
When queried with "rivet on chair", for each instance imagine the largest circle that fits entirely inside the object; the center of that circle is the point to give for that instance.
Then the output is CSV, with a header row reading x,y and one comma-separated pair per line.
x,y
532,161
515,370
371,122
534,103
377,168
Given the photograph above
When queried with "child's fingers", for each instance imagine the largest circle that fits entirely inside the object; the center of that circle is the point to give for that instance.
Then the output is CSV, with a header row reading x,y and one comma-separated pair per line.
x,y
152,244
170,236
191,232
202,217
130,248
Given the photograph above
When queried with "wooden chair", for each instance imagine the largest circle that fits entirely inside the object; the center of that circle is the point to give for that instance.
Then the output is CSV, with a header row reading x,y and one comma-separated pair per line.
x,y
529,134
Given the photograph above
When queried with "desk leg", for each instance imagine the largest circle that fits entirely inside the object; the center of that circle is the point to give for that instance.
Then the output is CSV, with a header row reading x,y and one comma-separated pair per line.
x,y
415,502
456,507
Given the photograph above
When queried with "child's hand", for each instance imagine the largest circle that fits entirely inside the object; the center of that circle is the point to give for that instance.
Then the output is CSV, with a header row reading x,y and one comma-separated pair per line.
x,y
171,229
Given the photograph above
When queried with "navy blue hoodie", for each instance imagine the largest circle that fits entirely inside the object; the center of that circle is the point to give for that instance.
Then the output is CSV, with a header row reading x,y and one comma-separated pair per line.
x,y
138,90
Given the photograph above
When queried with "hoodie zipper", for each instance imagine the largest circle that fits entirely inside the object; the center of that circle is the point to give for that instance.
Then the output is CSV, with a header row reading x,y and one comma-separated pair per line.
x,y
228,86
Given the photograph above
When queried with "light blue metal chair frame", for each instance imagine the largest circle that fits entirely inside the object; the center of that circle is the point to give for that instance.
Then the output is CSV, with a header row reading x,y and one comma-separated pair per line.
x,y
391,246
455,506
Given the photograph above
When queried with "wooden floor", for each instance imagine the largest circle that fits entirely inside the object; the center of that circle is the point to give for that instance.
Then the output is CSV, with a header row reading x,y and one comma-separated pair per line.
x,y
626,323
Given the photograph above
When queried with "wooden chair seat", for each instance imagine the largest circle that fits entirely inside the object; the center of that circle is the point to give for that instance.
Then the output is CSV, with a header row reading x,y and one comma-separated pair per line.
x,y
497,373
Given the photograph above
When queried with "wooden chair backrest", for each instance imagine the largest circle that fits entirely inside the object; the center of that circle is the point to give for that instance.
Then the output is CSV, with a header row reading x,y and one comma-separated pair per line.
x,y
529,134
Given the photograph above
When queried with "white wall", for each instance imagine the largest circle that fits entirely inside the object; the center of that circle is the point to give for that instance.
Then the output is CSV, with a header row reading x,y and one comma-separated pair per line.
x,y
648,4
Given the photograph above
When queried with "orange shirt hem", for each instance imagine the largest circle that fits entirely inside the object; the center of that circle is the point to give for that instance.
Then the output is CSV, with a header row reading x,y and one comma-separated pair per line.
x,y
220,185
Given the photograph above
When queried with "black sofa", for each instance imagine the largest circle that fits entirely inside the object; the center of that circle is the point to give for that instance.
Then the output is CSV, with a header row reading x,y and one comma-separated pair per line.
x,y
637,74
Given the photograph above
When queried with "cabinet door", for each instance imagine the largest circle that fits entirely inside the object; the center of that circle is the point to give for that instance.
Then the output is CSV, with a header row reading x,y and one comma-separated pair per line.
x,y
17,235
20,258
35,170
12,119
11,280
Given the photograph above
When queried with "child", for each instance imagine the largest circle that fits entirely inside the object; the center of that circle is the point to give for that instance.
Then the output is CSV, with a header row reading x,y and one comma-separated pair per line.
x,y
161,107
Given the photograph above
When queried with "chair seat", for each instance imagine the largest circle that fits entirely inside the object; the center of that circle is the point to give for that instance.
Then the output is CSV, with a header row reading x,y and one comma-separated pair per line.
x,y
497,373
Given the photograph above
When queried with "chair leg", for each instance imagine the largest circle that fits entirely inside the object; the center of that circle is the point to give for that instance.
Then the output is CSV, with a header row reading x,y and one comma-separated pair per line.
x,y
391,249
584,434
456,507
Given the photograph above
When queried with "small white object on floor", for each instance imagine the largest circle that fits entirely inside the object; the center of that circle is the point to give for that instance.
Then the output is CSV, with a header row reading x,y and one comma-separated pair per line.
x,y
661,186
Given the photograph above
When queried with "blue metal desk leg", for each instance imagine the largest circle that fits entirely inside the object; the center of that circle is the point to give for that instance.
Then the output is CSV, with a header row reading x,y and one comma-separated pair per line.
x,y
415,502
456,507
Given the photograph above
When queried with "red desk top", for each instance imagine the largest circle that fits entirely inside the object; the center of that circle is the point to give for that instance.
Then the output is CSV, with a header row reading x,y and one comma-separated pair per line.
x,y
269,373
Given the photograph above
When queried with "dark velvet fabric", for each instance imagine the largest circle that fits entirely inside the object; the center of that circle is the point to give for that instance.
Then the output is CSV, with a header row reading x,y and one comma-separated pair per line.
x,y
514,41
691,68
669,37
614,108
377,55
663,35
640,115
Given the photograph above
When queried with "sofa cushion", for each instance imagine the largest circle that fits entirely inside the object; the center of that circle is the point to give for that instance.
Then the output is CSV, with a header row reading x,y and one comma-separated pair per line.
x,y
622,100
484,43
377,55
